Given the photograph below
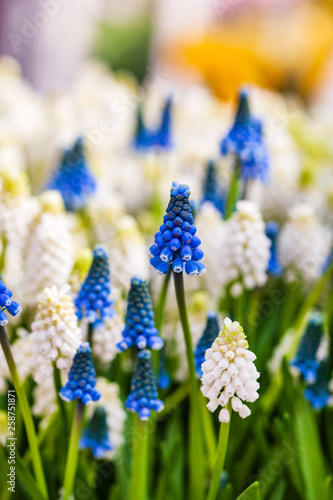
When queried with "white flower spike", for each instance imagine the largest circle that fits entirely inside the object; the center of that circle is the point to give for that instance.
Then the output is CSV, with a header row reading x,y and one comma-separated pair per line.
x,y
229,373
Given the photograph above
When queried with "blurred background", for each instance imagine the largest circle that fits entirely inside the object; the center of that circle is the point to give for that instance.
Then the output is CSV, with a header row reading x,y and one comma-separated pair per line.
x,y
277,44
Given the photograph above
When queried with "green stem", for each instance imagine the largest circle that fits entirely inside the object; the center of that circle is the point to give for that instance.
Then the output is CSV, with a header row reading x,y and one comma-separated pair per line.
x,y
73,450
219,459
61,403
90,333
196,459
139,476
26,413
233,191
209,433
159,310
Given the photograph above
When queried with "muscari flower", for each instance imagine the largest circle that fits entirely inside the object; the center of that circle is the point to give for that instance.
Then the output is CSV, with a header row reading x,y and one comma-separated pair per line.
x,y
212,191
318,393
210,333
245,140
96,435
244,253
93,301
229,372
159,138
140,327
306,360
55,333
81,378
7,304
176,243
143,396
73,178
272,232
163,379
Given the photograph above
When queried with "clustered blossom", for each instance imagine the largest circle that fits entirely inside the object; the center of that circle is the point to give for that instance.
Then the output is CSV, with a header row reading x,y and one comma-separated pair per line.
x,y
96,435
229,373
73,178
210,333
245,251
163,376
93,301
55,333
140,327
176,243
212,189
304,244
318,393
161,138
272,232
81,378
7,304
143,396
245,140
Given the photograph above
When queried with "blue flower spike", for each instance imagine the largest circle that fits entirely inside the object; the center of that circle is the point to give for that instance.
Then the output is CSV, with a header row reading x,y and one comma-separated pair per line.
x,y
318,393
272,231
140,327
176,244
164,380
212,190
143,396
210,333
7,304
96,435
245,140
305,360
93,301
163,137
81,378
73,178
160,138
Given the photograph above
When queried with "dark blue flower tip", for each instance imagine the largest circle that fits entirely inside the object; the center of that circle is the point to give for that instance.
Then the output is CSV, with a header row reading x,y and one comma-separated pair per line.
x,y
176,243
164,379
161,138
7,304
93,301
140,330
206,340
81,378
272,231
318,393
96,435
73,178
245,140
212,190
143,397
306,360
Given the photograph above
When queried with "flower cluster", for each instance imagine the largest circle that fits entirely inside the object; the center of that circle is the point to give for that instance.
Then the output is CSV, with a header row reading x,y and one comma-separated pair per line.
x,y
210,333
176,243
212,190
96,435
93,301
245,140
318,393
73,178
55,333
159,138
229,372
7,304
140,327
272,232
245,251
143,396
82,378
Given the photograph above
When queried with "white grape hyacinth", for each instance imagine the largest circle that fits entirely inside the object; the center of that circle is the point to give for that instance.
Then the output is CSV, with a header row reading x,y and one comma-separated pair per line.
x,y
245,251
55,333
229,374
106,337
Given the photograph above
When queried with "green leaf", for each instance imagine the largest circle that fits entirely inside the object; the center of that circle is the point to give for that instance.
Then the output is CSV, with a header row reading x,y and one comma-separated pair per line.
x,y
26,480
328,488
251,493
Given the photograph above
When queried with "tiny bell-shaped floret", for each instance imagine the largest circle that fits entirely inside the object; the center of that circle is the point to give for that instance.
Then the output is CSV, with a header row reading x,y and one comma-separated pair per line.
x,y
7,304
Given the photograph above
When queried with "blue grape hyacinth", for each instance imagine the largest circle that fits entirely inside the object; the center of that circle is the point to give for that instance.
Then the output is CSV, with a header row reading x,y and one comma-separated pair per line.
x,y
143,396
7,304
245,140
81,378
164,379
212,190
93,301
210,333
160,138
176,244
306,360
96,435
318,393
73,178
272,231
140,327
